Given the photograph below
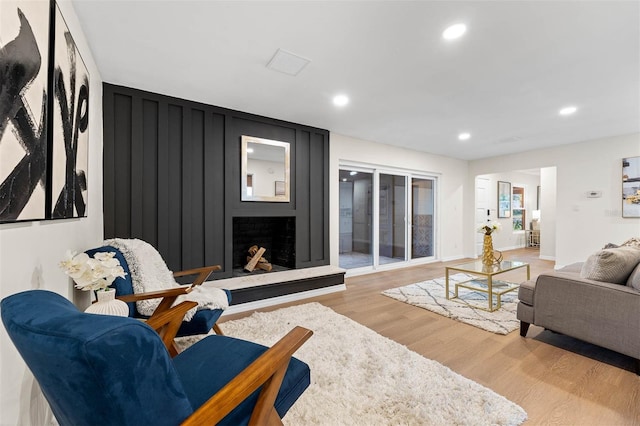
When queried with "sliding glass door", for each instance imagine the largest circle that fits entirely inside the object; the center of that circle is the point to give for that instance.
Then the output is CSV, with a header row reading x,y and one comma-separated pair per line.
x,y
422,209
356,219
392,215
386,217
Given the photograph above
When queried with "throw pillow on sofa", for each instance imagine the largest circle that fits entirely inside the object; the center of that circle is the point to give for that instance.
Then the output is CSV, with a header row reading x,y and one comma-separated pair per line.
x,y
613,265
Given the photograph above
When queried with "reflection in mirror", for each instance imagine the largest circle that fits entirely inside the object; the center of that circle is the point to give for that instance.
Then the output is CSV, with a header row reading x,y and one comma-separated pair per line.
x,y
265,170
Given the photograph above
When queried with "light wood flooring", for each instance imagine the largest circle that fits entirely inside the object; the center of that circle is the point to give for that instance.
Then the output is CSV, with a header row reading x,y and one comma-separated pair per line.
x,y
555,378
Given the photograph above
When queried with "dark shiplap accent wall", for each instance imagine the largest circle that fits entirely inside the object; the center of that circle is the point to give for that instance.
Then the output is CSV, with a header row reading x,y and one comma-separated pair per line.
x,y
172,178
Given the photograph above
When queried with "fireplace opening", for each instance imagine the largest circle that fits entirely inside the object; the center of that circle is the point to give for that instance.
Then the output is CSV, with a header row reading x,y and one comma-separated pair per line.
x,y
276,234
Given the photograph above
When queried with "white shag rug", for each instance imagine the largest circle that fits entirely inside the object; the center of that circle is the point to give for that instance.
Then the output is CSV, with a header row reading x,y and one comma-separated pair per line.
x,y
430,295
359,377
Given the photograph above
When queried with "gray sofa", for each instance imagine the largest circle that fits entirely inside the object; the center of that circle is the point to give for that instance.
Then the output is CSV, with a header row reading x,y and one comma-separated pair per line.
x,y
605,314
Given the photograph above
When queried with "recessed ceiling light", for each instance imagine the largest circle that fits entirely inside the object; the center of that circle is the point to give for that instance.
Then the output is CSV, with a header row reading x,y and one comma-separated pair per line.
x,y
568,110
353,173
454,31
340,100
250,150
344,179
464,136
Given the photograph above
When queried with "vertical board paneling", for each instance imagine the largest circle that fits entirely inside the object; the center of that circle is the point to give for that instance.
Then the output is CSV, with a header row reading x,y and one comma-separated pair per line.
x,y
122,166
150,172
213,192
163,178
195,237
137,168
108,163
316,203
303,194
186,185
173,256
172,178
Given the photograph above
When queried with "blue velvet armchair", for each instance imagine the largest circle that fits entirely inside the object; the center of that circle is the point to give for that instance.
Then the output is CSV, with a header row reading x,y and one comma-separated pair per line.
x,y
105,370
203,321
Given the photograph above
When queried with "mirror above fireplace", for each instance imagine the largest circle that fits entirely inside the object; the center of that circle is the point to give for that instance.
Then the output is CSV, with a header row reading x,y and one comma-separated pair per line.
x,y
265,170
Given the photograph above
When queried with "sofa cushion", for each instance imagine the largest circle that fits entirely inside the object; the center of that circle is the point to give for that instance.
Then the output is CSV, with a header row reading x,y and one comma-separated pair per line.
x,y
612,265
634,278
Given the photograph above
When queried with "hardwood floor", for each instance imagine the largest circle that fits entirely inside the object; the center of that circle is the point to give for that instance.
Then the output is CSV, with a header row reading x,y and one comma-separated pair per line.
x,y
555,378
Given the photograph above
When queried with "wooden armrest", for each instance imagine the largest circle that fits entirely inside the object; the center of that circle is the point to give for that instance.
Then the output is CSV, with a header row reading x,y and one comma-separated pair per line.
x,y
172,292
267,370
168,322
203,273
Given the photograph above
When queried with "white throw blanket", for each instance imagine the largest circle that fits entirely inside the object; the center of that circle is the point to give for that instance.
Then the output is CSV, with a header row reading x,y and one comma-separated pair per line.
x,y
149,272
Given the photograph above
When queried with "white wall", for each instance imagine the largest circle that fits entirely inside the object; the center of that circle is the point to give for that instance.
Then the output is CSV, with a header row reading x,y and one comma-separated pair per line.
x,y
452,176
583,225
548,203
30,251
507,238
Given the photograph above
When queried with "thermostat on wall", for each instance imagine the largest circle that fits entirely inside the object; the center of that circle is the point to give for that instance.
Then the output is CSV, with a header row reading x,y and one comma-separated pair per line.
x,y
594,194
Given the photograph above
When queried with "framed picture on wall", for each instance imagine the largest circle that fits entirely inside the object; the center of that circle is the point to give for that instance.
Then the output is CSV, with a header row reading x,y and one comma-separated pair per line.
x,y
504,199
24,109
280,189
70,126
631,187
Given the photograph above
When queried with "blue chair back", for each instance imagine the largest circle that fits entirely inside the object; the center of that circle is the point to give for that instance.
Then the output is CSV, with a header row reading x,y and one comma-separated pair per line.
x,y
124,285
94,369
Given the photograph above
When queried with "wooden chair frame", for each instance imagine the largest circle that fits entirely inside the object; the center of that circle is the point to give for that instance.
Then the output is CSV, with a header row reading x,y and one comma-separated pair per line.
x,y
267,371
161,320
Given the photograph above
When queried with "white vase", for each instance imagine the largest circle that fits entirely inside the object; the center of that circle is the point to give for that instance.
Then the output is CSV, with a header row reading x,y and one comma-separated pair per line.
x,y
107,304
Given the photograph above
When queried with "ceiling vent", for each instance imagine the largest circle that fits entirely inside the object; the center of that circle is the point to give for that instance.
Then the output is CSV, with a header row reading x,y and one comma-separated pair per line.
x,y
287,62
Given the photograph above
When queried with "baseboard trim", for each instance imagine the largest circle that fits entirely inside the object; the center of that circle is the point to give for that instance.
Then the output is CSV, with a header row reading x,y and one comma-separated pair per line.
x,y
547,257
258,304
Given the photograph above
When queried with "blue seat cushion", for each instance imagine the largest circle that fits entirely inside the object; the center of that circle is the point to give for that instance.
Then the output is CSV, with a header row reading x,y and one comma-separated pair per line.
x,y
199,368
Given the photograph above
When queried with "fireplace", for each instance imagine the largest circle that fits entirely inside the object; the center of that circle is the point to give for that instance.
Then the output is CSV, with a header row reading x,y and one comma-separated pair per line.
x,y
276,234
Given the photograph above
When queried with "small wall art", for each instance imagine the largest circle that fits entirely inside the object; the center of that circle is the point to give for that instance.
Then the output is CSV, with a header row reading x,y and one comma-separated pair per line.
x,y
631,187
504,199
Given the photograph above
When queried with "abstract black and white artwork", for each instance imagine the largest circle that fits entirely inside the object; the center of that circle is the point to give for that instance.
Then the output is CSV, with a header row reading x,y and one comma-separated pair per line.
x,y
24,59
70,126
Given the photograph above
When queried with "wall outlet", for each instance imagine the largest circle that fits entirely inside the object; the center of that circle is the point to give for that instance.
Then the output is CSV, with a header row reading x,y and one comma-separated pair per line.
x,y
594,194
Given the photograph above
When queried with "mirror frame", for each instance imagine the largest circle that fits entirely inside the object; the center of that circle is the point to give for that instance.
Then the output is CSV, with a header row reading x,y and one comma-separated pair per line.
x,y
286,197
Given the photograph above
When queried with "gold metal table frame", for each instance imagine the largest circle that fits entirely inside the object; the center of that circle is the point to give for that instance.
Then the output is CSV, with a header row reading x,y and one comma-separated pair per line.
x,y
491,288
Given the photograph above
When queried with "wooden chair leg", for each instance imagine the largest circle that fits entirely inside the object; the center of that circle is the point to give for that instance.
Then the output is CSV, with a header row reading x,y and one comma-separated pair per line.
x,y
524,327
217,330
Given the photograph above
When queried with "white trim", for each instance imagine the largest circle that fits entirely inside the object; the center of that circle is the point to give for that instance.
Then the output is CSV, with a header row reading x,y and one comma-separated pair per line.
x,y
547,257
258,304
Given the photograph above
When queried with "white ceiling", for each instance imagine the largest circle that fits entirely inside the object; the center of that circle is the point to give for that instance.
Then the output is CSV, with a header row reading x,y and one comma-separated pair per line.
x,y
504,81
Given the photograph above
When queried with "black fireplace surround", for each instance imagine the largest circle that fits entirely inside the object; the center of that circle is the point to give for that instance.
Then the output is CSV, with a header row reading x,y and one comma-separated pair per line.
x,y
276,234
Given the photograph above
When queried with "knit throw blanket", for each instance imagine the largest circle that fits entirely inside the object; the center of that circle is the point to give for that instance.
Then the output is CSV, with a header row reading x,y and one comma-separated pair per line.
x,y
149,272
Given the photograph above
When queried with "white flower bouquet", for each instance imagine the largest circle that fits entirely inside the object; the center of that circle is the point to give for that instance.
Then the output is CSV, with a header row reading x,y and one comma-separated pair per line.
x,y
92,273
489,228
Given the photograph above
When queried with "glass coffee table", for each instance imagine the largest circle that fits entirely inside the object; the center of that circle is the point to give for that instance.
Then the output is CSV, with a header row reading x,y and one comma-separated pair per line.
x,y
488,285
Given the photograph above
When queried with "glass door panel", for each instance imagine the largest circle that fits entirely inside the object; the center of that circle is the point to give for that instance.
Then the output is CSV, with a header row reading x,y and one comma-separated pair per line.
x,y
356,248
392,213
422,208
